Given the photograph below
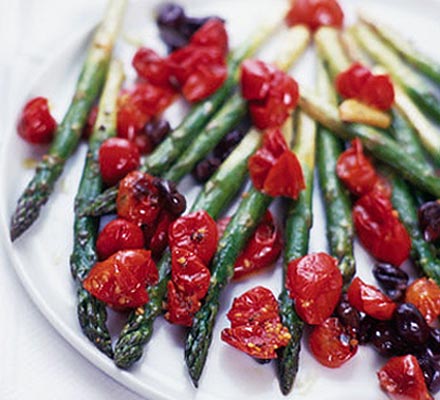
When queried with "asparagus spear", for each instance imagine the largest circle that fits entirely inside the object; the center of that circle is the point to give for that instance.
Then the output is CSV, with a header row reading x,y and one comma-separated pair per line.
x,y
69,131
406,49
171,148
295,42
411,83
215,196
92,313
298,224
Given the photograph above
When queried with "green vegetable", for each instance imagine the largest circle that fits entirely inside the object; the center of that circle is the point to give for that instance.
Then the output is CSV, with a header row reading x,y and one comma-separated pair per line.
x,y
69,131
92,313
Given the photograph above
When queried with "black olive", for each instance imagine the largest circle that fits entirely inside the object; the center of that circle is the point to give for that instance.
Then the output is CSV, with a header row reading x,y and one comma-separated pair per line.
x,y
410,324
206,168
393,281
176,203
228,143
348,316
170,15
156,131
387,341
434,341
430,366
366,329
429,220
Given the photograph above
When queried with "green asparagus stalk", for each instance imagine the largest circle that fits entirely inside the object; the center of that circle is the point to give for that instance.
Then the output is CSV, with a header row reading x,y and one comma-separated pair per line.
x,y
69,131
377,142
294,44
158,162
411,83
298,224
405,48
91,312
217,193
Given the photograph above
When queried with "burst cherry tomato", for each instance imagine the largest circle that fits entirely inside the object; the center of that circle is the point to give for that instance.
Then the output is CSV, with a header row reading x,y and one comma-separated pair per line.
x,y
36,125
197,233
159,239
262,250
370,300
274,169
331,344
351,82
315,13
315,283
379,228
130,119
117,157
151,67
255,79
181,307
425,295
118,234
121,280
355,170
212,34
402,378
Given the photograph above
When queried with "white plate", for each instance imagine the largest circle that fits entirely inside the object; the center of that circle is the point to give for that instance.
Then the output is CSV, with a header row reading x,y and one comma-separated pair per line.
x,y
40,257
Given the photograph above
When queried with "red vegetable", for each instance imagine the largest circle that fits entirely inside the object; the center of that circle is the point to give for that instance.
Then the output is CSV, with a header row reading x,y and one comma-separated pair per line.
x,y
118,234
197,233
379,228
130,118
158,241
181,307
370,300
120,281
262,250
331,344
351,82
355,170
117,157
315,13
402,379
424,293
274,169
315,283
212,34
36,125
255,80
151,67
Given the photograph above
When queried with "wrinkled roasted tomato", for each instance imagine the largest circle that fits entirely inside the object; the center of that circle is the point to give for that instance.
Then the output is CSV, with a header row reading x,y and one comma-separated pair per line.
x,y
181,307
424,293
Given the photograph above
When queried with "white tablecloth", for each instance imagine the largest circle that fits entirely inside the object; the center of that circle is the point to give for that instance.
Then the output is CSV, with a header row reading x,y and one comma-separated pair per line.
x,y
35,361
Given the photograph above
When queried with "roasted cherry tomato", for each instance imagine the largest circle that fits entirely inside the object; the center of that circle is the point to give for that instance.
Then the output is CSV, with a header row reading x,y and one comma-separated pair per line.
x,y
370,300
355,170
197,233
159,239
378,92
379,228
424,293
315,283
130,118
255,79
117,157
257,305
212,34
36,125
262,250
315,13
274,169
138,199
331,344
151,67
402,378
181,307
118,234
351,82
90,124
188,273
121,280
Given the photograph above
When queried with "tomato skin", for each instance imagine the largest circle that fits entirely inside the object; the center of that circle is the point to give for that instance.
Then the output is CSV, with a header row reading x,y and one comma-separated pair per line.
x,y
315,13
315,283
274,169
35,124
330,343
378,92
355,170
370,300
159,240
351,82
212,34
181,307
117,157
262,250
118,234
130,119
255,79
197,233
402,379
424,293
379,228
151,67
121,279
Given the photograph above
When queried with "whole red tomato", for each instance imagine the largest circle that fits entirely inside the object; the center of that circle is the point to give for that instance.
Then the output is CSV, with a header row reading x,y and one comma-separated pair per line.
x,y
424,293
35,124
315,283
117,157
121,280
370,300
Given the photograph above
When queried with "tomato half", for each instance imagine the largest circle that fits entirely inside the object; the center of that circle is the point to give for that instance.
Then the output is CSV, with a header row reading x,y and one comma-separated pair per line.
x,y
181,307
330,343
379,228
424,293
212,34
118,234
36,124
370,300
120,281
255,79
315,283
378,91
355,170
158,241
151,67
351,82
402,378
